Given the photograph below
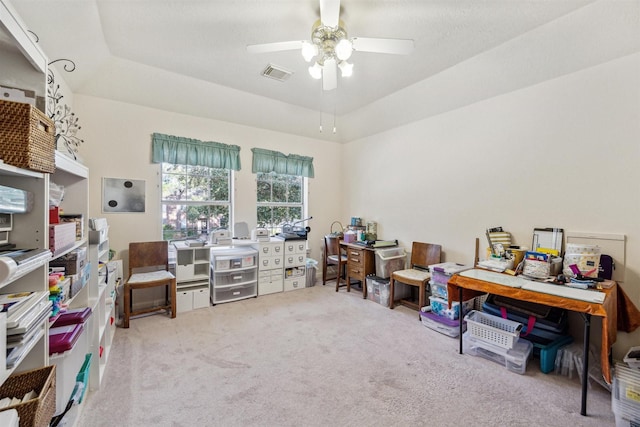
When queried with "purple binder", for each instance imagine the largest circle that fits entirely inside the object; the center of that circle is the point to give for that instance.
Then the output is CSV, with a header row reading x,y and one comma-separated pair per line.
x,y
62,338
73,316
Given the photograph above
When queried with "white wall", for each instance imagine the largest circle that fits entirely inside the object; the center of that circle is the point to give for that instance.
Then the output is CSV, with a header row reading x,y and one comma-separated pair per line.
x,y
118,145
563,153
558,154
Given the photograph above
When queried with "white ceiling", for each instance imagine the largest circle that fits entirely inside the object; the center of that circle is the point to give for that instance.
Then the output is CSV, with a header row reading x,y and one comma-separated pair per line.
x,y
189,56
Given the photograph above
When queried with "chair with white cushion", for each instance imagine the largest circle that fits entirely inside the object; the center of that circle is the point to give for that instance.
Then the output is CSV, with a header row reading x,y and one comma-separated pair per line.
x,y
422,256
149,268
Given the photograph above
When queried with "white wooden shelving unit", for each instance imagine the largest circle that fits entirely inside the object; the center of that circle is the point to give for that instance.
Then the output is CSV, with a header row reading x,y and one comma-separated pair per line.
x,y
22,64
102,291
191,268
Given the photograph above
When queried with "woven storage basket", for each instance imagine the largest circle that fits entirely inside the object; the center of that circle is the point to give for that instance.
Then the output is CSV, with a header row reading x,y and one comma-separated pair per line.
x,y
27,137
36,412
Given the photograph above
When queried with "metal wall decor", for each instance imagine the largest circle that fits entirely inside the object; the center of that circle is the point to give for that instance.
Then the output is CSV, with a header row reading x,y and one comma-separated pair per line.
x,y
65,121
123,195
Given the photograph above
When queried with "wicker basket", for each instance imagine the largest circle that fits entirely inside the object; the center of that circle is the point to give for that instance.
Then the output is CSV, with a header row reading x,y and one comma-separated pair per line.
x,y
36,412
27,137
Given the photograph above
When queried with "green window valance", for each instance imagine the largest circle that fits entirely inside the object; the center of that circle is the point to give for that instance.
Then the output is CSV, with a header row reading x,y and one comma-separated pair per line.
x,y
186,151
273,161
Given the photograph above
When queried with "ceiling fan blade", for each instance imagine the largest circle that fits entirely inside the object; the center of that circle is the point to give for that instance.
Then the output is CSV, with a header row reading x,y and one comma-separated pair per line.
x,y
393,46
329,75
330,12
274,47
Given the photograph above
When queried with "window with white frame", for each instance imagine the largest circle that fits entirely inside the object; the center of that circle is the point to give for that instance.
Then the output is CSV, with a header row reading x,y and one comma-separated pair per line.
x,y
195,200
280,200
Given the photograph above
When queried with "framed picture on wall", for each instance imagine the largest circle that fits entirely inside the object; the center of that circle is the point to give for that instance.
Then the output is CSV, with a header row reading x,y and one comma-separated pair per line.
x,y
123,195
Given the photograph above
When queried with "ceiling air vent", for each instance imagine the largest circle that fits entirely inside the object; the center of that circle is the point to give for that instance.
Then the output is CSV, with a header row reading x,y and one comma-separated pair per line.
x,y
277,73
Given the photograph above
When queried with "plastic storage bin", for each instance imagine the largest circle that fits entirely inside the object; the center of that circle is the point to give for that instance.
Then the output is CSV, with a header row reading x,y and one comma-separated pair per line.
x,y
442,272
390,260
441,324
378,290
312,267
493,329
439,290
548,352
625,395
440,306
514,359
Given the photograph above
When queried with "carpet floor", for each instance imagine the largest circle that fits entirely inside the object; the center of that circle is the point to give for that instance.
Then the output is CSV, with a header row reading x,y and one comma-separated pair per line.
x,y
314,357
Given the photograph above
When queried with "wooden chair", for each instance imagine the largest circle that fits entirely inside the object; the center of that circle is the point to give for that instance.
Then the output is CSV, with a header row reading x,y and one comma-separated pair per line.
x,y
333,256
422,255
149,268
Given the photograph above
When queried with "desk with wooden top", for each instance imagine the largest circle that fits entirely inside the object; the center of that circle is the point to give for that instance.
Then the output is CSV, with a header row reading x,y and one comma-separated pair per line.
x,y
361,261
469,287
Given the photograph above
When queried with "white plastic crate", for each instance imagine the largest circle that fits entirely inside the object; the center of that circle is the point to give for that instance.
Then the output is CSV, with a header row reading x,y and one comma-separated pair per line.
x,y
514,359
493,329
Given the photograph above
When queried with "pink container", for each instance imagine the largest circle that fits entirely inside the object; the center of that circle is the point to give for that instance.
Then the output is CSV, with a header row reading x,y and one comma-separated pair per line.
x,y
349,237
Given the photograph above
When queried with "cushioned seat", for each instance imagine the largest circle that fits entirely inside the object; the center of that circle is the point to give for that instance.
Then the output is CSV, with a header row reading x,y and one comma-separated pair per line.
x,y
149,268
422,256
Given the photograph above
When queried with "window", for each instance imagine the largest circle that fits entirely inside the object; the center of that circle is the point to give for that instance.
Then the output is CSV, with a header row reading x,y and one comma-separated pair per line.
x,y
280,200
195,200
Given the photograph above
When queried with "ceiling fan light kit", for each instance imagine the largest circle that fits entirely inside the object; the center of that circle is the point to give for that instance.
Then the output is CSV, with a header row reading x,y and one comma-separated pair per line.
x,y
331,47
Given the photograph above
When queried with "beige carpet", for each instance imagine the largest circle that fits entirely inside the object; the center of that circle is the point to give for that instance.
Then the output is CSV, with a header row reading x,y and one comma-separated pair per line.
x,y
314,357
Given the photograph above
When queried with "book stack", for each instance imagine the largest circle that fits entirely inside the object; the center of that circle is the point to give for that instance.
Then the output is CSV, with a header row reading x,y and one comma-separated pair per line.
x,y
26,313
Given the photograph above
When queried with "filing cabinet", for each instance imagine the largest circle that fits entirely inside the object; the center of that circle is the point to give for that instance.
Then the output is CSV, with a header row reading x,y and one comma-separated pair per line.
x,y
270,266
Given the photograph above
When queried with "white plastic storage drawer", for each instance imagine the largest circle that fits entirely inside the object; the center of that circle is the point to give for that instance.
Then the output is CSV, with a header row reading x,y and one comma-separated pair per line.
x,y
294,260
294,283
271,249
269,263
234,277
295,247
232,258
233,293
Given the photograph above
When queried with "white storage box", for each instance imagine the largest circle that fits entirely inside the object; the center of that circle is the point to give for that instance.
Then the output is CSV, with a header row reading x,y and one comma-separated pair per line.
x,y
493,329
390,260
514,359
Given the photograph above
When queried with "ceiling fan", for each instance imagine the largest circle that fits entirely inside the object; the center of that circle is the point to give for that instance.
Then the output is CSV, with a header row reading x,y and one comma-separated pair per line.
x,y
331,47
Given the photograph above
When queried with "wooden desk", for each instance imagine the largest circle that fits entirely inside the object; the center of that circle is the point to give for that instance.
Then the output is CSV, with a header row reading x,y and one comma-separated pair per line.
x,y
466,288
361,261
